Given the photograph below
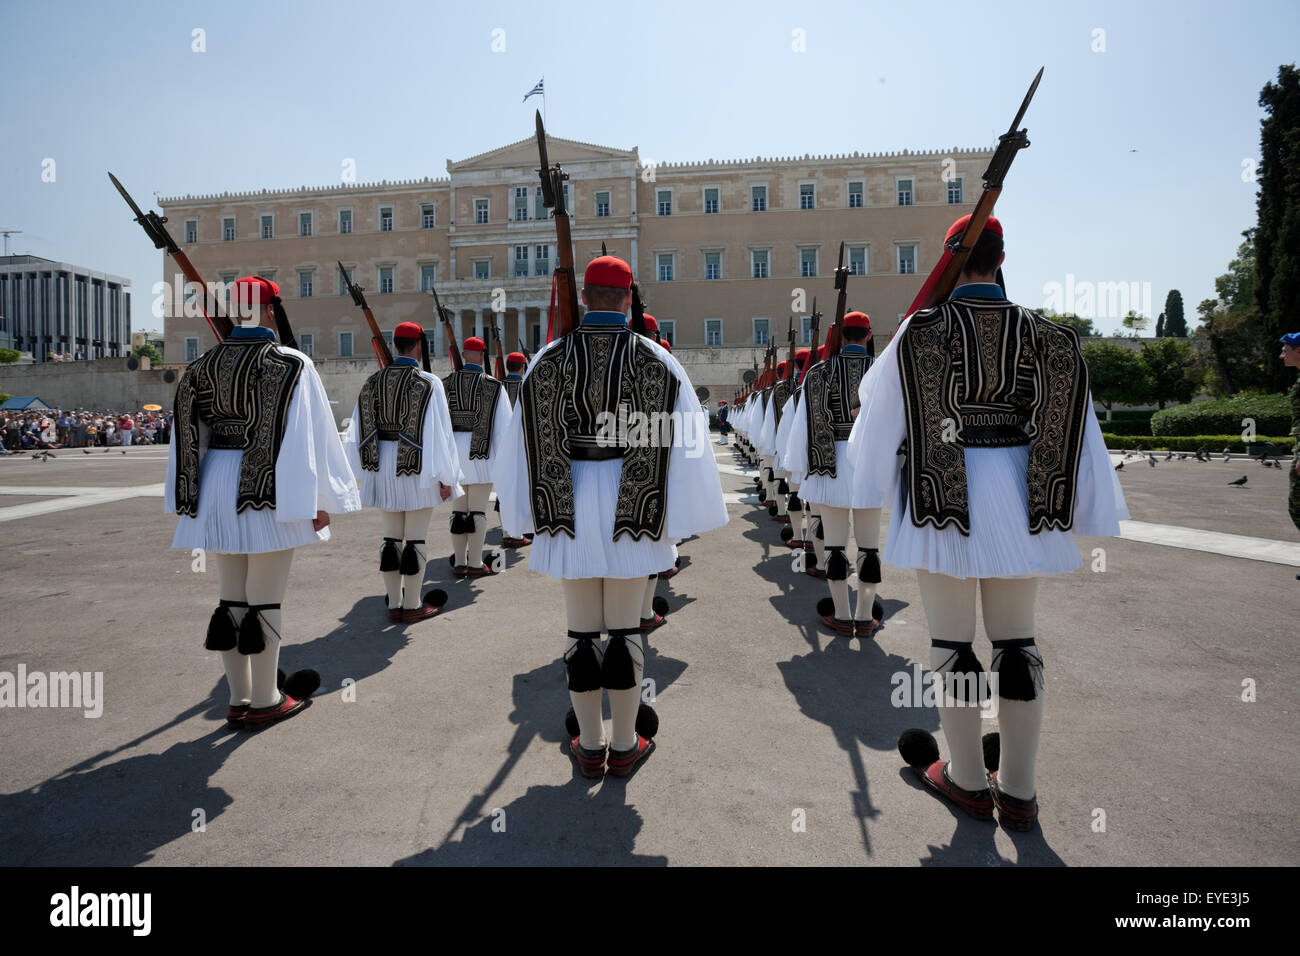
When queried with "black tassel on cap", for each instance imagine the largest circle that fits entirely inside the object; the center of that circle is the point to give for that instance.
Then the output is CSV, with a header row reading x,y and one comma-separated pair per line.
x,y
582,664
424,352
222,630
282,323
390,559
1020,673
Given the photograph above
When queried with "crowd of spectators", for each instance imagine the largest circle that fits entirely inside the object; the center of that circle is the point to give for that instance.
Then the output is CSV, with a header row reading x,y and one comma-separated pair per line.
x,y
82,428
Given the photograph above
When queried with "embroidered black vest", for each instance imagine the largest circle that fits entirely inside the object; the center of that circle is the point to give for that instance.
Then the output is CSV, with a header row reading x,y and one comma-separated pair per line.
x,y
985,373
830,391
392,407
595,378
241,390
512,385
781,391
472,402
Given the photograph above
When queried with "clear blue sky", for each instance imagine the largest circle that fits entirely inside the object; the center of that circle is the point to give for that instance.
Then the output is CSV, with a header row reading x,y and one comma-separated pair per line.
x,y
286,91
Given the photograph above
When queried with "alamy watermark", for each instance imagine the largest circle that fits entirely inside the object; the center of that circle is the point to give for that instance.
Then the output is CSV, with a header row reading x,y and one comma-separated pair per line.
x,y
635,429
77,689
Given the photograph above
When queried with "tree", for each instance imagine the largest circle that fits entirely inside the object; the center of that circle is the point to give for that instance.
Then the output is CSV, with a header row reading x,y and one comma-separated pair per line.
x,y
1160,325
1242,352
9,356
1135,322
1081,325
1175,323
1277,232
150,352
1116,374
1170,370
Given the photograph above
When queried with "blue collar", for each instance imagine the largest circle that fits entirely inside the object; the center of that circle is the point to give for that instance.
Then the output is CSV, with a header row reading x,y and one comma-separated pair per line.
x,y
405,360
604,318
978,290
512,377
471,367
252,332
852,348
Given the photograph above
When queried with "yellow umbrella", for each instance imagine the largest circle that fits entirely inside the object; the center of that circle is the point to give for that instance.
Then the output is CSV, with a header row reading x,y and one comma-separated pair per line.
x,y
153,408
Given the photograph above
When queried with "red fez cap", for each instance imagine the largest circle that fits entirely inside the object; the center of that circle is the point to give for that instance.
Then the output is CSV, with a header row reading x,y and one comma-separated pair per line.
x,y
664,343
650,324
991,225
857,320
516,358
609,271
821,352
408,330
802,354
780,369
473,344
252,291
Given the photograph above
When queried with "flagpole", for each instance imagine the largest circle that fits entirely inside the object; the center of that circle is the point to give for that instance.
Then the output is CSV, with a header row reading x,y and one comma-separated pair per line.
x,y
544,117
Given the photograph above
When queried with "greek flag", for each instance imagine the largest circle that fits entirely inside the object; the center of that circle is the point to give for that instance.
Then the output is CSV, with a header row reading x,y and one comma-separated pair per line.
x,y
536,89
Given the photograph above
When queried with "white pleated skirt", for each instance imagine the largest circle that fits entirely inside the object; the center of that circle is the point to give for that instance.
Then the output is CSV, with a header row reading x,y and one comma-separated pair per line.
x,y
999,544
220,530
477,471
836,492
388,491
592,552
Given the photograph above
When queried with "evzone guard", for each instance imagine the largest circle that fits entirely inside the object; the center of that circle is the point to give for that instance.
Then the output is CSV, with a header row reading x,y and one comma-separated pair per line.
x,y
606,509
516,362
1002,462
400,445
654,609
818,452
480,414
254,471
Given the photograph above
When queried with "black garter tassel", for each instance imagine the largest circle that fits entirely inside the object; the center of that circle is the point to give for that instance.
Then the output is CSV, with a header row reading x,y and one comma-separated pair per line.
x,y
222,631
869,565
251,638
837,566
410,558
582,665
1019,673
389,557
618,672
963,663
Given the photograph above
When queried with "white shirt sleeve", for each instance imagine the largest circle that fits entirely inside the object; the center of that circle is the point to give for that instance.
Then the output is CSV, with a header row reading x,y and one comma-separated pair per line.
x,y
441,459
1099,504
879,429
312,472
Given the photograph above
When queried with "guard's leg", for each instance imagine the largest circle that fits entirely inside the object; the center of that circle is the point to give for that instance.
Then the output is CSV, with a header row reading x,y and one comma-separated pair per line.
x,y
1008,605
650,618
460,526
817,532
866,535
223,630
624,663
950,610
835,522
268,576
585,610
478,496
415,526
390,557
782,493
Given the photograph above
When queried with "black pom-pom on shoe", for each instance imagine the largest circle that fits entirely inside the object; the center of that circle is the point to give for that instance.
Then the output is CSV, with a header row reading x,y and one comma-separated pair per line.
x,y
302,684
787,533
647,721
918,748
659,604
825,607
435,598
571,724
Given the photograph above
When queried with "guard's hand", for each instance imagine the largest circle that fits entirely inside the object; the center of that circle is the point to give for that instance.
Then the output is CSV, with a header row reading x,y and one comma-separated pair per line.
x,y
854,413
321,520
444,491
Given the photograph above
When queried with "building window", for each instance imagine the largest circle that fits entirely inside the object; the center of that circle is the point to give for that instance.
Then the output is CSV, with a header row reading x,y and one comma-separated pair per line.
x,y
954,192
855,195
304,224
602,204
386,219
665,198
807,263
521,204
906,260
807,196
345,221
191,348
711,200
483,269
668,330
857,260
427,217
343,286
521,260
758,198
762,331
805,330
665,266
905,192
191,230
568,205
228,230
268,227
305,284
345,345
480,211
539,205
307,344
542,261
758,262
713,265
428,276
386,281
712,331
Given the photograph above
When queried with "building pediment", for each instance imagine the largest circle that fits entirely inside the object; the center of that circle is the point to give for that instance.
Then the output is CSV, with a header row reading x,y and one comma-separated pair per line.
x,y
524,154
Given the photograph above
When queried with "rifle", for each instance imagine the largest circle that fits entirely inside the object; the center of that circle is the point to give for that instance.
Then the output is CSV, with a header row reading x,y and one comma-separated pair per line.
x,y
816,333
377,341
501,355
789,364
842,290
457,363
943,277
638,313
564,290
523,349
152,223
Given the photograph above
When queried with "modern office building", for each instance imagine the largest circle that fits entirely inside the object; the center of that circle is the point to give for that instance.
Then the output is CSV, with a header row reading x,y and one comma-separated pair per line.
x,y
48,307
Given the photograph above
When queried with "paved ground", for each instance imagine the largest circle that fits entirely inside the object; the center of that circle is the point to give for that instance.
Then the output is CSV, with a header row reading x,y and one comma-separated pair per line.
x,y
452,750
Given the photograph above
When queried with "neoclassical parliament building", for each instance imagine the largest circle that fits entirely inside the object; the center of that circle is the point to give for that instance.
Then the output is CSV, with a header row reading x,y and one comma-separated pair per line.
x,y
719,248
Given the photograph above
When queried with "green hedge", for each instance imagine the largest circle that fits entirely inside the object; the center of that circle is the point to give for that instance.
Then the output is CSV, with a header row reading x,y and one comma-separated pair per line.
x,y
1120,427
1193,442
1272,415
